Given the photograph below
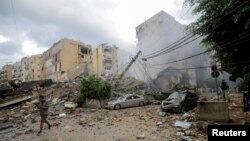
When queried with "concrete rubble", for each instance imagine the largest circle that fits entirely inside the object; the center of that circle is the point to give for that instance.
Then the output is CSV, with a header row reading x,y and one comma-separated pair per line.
x,y
69,122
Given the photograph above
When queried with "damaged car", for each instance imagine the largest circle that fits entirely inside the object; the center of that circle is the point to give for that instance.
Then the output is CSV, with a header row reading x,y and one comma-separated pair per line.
x,y
125,101
180,101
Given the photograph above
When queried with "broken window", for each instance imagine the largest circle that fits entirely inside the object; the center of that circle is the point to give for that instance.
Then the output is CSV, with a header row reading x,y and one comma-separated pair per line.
x,y
83,50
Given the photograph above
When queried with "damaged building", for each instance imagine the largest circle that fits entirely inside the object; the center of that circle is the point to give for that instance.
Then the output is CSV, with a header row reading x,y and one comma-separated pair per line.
x,y
155,34
64,55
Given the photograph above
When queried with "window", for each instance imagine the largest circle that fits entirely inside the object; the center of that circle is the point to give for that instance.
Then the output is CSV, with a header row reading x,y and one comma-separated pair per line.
x,y
108,61
107,67
83,50
107,50
129,98
135,97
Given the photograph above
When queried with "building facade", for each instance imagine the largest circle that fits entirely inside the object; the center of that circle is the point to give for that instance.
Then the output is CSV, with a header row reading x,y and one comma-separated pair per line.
x,y
63,56
28,69
157,34
33,71
17,70
105,60
6,73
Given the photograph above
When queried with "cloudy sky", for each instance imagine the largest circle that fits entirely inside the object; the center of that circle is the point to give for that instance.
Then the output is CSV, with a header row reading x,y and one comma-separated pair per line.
x,y
30,27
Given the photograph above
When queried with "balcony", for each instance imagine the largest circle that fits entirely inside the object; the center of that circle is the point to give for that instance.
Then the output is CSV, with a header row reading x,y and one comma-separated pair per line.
x,y
107,62
108,56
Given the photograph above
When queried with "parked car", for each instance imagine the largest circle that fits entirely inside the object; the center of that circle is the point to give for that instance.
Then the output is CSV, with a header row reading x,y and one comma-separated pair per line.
x,y
129,100
180,101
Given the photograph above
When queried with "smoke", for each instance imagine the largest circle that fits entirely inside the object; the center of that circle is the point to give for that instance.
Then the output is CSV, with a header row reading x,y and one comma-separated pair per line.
x,y
156,34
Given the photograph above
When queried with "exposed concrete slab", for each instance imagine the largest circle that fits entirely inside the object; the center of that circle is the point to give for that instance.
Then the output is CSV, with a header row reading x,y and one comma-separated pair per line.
x,y
213,111
14,101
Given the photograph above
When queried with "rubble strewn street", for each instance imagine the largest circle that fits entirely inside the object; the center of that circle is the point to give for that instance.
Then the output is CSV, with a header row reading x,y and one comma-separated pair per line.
x,y
21,122
91,70
99,124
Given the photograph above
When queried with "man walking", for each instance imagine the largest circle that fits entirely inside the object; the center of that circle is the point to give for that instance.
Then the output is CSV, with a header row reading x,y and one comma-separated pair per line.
x,y
224,87
43,107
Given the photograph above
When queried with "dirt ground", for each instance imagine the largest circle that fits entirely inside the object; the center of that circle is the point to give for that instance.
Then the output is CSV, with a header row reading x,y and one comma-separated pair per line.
x,y
140,123
85,124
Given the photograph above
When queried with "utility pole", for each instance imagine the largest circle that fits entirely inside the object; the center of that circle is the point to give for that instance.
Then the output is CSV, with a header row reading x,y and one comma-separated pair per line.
x,y
126,69
129,65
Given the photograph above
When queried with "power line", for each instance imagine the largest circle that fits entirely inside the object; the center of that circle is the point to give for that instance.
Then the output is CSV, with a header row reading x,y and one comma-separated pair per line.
x,y
173,25
225,47
160,53
146,74
136,75
150,80
15,20
183,38
204,67
121,67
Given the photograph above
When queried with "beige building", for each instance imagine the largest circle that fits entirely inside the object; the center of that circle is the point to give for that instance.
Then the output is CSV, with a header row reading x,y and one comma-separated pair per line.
x,y
33,71
63,56
28,69
6,73
105,60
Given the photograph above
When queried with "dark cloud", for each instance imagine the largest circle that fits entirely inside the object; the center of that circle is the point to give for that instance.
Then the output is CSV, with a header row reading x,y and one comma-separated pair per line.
x,y
45,22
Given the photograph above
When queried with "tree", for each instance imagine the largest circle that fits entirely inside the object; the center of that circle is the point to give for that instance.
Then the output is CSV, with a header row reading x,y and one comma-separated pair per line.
x,y
225,27
93,88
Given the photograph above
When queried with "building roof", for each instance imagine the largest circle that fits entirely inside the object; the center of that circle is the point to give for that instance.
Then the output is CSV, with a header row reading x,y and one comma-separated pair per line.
x,y
161,13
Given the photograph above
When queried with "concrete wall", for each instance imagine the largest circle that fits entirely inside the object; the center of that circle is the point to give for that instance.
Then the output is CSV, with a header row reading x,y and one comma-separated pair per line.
x,y
71,54
63,56
81,69
94,103
213,111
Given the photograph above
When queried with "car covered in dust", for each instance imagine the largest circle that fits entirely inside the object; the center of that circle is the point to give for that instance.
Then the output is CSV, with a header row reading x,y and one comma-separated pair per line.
x,y
180,101
125,101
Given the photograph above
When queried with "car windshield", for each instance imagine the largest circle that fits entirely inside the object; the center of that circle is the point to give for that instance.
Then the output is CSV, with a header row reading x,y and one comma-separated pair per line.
x,y
121,98
177,95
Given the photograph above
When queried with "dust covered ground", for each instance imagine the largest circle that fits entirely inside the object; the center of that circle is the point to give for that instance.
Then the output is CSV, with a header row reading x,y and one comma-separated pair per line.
x,y
139,123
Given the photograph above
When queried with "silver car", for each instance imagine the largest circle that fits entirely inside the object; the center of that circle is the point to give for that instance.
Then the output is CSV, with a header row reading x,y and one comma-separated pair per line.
x,y
129,100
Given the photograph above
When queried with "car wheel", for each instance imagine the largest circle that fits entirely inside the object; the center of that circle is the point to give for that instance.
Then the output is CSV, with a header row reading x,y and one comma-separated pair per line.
x,y
117,107
141,103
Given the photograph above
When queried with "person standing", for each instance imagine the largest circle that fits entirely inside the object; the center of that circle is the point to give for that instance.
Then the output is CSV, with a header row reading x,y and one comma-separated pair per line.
x,y
43,107
224,87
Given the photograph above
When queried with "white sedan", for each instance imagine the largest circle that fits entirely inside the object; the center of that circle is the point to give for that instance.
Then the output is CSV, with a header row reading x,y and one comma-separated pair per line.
x,y
129,100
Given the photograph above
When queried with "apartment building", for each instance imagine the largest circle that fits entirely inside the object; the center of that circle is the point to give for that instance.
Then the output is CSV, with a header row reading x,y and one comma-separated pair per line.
x,y
6,73
17,70
105,60
33,70
63,56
